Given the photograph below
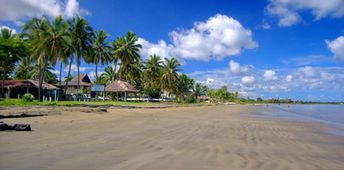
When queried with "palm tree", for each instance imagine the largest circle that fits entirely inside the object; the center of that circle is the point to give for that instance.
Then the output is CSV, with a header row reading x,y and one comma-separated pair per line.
x,y
11,49
22,71
81,34
169,78
49,77
47,41
109,74
151,75
101,50
62,41
185,86
127,50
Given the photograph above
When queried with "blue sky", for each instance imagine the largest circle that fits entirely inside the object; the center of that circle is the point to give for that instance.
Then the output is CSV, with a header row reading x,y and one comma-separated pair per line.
x,y
268,48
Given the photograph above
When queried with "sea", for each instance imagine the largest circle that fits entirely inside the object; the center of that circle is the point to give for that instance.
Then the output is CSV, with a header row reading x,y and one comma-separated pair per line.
x,y
329,114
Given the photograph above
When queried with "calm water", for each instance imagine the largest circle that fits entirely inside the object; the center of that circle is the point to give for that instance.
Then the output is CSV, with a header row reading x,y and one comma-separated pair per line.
x,y
332,115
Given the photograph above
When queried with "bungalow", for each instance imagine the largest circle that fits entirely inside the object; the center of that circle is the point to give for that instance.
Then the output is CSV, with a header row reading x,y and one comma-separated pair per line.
x,y
17,88
123,87
72,87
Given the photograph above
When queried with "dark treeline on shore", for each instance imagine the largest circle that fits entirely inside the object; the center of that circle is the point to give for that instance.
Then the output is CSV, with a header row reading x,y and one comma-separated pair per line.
x,y
44,43
34,53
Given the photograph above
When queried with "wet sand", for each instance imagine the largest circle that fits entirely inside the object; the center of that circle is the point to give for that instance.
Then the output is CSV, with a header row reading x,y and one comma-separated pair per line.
x,y
206,137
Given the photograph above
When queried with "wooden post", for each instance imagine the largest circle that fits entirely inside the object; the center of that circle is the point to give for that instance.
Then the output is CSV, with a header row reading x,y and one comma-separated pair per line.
x,y
125,96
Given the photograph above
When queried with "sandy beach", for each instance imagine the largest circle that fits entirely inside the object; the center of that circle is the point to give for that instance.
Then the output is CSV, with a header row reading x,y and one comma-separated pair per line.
x,y
203,137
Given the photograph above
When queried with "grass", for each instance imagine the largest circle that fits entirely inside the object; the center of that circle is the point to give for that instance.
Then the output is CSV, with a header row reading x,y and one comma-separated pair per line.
x,y
19,102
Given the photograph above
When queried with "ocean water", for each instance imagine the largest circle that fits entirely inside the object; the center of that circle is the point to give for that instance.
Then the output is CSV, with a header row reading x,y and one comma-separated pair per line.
x,y
329,114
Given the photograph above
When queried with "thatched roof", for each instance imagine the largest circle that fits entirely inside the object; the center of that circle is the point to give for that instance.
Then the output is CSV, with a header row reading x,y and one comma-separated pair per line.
x,y
84,80
27,84
120,86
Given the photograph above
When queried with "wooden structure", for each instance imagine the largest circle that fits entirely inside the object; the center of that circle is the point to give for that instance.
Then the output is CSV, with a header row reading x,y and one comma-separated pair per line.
x,y
119,86
17,88
72,88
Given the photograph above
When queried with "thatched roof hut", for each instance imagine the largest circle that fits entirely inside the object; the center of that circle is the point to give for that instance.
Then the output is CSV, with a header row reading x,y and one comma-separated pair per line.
x,y
84,81
27,84
120,86
15,88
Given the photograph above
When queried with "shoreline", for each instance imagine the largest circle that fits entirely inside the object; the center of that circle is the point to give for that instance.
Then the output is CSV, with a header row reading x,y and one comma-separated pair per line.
x,y
203,137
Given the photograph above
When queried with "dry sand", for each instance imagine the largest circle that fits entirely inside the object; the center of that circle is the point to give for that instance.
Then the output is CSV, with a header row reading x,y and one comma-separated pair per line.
x,y
207,137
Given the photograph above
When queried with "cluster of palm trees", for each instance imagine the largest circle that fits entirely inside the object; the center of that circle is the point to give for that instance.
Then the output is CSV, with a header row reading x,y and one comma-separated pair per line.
x,y
48,42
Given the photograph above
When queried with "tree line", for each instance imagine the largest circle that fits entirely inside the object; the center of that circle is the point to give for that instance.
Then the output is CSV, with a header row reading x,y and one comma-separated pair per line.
x,y
34,53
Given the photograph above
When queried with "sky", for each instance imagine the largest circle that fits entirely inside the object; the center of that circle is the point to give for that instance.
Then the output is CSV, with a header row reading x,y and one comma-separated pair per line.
x,y
263,48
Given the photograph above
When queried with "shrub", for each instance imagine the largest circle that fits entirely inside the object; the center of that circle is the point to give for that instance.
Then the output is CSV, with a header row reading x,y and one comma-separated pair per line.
x,y
28,97
190,99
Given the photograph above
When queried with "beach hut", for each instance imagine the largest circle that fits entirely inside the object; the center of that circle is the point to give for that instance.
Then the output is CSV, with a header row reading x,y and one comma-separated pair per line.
x,y
72,88
17,88
119,86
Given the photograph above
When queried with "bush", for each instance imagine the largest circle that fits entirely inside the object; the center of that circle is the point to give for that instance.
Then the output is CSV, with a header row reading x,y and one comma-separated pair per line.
x,y
28,97
190,99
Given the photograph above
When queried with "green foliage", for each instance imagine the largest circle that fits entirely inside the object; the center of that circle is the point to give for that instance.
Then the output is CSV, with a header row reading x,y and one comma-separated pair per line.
x,y
126,49
222,95
169,78
101,52
152,71
190,99
28,97
12,49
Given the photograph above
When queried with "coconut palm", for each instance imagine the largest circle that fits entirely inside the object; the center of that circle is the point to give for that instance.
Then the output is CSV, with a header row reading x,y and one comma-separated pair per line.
x,y
127,50
109,74
49,77
169,78
81,35
151,75
47,41
185,86
11,49
60,42
101,50
23,69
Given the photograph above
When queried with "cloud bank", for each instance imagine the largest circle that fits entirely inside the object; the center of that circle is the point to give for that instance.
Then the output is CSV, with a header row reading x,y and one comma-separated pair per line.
x,y
337,47
282,82
218,37
15,10
288,11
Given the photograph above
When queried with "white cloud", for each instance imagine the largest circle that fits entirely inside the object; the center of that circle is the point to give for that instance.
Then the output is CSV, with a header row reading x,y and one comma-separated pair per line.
x,y
74,68
161,49
337,47
266,25
14,10
289,78
270,75
247,79
220,36
57,72
287,11
307,71
6,27
237,68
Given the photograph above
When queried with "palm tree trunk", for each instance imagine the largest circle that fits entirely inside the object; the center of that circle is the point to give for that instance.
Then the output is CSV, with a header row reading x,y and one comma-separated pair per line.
x,y
78,65
96,73
60,75
43,75
115,74
68,75
3,83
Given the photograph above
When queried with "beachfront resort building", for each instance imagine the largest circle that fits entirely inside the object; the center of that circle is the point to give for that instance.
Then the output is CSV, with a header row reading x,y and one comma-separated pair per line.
x,y
72,87
119,87
17,88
